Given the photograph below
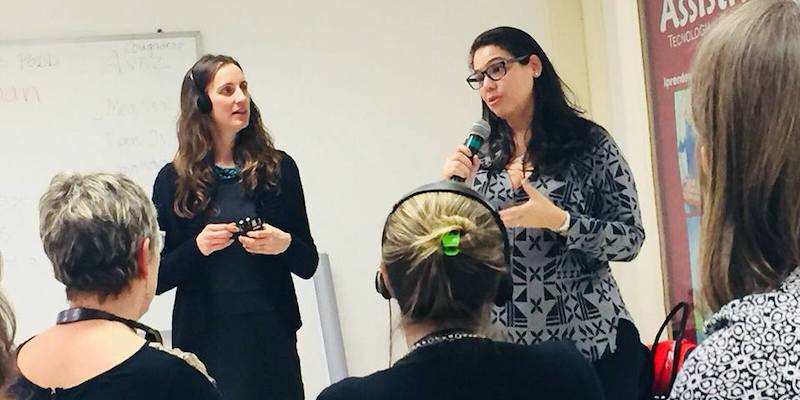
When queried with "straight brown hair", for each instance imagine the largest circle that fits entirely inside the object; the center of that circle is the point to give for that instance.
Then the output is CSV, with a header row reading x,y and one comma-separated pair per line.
x,y
745,88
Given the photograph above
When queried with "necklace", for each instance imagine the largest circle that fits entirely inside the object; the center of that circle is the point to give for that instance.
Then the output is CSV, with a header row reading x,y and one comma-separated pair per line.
x,y
441,337
77,314
226,173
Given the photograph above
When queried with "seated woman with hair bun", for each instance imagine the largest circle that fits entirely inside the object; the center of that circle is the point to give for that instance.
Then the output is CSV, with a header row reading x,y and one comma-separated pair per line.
x,y
444,260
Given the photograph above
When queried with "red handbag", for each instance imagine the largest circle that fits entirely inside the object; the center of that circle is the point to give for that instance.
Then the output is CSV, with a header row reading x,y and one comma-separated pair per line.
x,y
668,356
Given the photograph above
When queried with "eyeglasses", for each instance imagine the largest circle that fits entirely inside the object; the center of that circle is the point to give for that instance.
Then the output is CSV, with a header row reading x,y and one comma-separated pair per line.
x,y
495,71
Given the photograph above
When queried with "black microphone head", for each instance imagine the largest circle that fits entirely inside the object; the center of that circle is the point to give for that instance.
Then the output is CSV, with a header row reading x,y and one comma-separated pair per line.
x,y
478,134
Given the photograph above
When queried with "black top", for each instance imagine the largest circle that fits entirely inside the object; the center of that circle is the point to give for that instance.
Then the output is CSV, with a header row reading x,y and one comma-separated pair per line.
x,y
147,374
235,280
478,369
184,267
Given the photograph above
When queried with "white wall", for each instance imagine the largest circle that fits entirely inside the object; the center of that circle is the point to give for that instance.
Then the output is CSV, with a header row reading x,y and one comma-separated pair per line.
x,y
369,97
619,100
596,47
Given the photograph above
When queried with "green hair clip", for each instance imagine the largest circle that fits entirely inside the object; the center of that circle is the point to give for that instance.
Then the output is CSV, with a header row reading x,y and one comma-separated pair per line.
x,y
450,243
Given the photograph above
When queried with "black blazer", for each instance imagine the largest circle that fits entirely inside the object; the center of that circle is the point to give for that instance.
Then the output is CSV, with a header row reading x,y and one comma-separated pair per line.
x,y
182,262
478,369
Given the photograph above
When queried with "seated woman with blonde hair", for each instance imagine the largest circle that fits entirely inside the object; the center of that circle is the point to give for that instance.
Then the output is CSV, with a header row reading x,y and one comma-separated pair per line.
x,y
100,233
445,261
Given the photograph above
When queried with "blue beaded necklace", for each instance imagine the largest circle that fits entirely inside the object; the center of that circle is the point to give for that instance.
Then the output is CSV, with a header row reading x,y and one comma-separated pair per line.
x,y
225,173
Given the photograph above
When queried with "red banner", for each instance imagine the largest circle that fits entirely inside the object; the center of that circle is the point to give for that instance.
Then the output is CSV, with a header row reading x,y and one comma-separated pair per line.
x,y
671,30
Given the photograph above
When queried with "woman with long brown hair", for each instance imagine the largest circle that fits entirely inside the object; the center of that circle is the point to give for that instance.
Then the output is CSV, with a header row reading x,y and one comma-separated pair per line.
x,y
235,305
745,85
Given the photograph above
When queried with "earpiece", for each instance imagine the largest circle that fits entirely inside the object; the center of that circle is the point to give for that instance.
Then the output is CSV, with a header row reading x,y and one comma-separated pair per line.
x,y
203,101
380,286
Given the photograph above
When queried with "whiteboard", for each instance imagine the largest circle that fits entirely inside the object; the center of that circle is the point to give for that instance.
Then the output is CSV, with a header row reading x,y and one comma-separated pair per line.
x,y
89,104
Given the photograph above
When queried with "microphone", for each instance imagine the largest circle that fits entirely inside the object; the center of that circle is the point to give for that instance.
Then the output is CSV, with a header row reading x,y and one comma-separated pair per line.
x,y
478,134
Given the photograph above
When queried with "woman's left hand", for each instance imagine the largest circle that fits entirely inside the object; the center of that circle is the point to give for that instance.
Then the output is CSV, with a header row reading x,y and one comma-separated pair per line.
x,y
269,241
538,212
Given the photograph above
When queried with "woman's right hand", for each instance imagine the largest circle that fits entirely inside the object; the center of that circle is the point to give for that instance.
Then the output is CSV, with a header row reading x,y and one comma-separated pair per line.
x,y
461,164
215,237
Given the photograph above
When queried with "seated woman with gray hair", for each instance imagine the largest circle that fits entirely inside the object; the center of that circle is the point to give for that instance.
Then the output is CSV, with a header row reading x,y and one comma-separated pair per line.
x,y
100,233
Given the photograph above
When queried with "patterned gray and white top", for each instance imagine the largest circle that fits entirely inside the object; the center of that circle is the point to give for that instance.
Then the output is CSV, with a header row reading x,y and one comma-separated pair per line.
x,y
563,288
751,351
